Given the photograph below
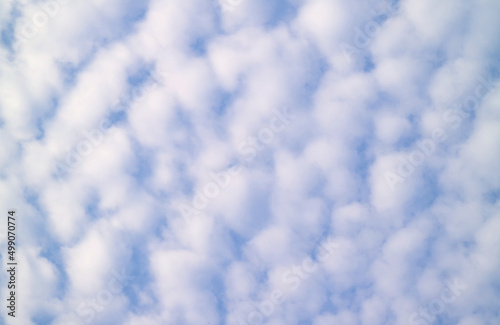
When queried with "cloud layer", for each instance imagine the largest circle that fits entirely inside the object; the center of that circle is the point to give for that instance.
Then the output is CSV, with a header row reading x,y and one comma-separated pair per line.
x,y
252,162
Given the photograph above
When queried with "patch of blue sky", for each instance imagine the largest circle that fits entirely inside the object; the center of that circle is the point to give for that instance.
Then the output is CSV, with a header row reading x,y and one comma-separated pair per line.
x,y
199,46
188,185
236,243
161,225
385,99
362,176
368,64
442,318
223,101
141,167
189,144
318,189
116,118
257,210
427,191
215,285
134,12
317,67
50,112
92,209
70,70
410,138
8,35
278,12
434,57
139,75
493,196
328,308
138,269
347,299
494,67
43,318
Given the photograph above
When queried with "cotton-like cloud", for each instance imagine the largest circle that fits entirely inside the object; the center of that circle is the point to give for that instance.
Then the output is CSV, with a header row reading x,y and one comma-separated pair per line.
x,y
251,162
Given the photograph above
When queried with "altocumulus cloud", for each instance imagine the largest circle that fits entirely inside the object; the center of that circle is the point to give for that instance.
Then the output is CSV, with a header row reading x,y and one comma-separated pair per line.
x,y
113,114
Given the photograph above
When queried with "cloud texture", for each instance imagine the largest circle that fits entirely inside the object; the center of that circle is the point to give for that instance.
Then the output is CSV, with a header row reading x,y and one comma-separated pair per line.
x,y
252,162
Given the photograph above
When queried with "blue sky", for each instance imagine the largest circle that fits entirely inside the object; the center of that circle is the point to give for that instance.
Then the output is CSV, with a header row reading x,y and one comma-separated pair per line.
x,y
252,162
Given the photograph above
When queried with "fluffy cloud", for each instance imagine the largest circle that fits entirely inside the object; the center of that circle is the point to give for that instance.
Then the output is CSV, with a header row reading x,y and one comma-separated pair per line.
x,y
187,162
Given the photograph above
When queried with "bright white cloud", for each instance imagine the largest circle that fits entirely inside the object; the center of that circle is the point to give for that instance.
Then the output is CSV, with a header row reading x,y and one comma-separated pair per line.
x,y
185,162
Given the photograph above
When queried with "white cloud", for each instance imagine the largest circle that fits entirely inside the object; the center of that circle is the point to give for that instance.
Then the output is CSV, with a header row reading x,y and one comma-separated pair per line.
x,y
201,85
